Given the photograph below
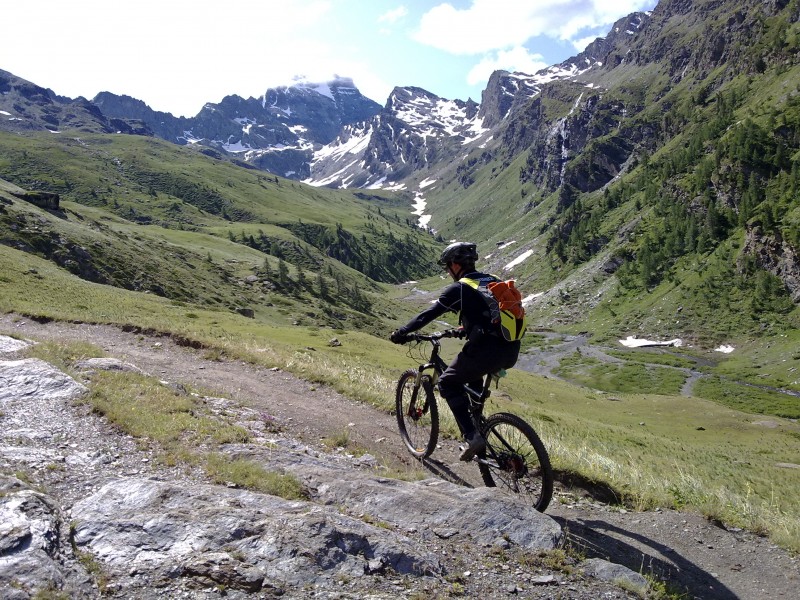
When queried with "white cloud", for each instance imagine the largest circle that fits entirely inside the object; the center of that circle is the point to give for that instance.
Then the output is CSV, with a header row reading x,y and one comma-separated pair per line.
x,y
393,16
580,45
501,24
169,53
516,59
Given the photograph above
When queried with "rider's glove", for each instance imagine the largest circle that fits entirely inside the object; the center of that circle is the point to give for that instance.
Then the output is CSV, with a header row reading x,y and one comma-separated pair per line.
x,y
398,338
461,333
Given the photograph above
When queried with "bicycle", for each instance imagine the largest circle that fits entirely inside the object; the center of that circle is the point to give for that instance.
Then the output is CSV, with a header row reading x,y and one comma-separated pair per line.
x,y
515,455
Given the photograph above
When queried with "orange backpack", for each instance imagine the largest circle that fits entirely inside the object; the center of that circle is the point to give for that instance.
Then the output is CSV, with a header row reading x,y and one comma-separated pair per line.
x,y
508,297
504,302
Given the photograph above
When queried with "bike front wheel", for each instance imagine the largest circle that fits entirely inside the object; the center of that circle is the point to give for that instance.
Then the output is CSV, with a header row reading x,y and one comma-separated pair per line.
x,y
417,414
516,460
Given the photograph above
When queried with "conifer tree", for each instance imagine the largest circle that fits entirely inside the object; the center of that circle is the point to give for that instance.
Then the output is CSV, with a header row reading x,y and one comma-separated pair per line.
x,y
283,273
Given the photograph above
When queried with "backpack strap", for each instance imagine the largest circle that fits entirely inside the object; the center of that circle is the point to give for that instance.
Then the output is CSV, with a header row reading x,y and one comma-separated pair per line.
x,y
492,308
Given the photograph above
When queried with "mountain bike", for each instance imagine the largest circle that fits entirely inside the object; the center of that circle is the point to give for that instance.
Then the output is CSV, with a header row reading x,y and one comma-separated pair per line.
x,y
515,457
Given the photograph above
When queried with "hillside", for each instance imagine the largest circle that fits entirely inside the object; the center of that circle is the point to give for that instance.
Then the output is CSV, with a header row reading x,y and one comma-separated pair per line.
x,y
143,215
656,188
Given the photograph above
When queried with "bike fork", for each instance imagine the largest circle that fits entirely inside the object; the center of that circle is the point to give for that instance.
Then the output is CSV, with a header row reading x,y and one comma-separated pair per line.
x,y
415,411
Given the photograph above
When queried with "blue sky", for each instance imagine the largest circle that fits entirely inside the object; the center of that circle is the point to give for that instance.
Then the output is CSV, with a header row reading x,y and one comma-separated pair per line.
x,y
176,55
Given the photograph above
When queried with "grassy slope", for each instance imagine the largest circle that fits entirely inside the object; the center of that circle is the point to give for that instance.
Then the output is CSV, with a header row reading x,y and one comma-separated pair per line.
x,y
149,216
704,299
148,180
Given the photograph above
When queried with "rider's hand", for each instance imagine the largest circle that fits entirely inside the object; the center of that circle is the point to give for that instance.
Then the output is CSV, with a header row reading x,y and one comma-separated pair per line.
x,y
398,338
461,333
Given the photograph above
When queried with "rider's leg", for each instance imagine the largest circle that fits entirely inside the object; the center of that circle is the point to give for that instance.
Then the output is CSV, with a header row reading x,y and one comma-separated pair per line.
x,y
476,359
458,402
467,368
464,369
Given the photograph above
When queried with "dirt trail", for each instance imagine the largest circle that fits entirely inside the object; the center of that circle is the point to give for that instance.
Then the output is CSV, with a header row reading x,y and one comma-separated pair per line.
x,y
693,554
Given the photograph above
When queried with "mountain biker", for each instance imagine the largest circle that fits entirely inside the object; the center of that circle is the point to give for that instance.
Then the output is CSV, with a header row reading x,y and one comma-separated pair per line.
x,y
485,350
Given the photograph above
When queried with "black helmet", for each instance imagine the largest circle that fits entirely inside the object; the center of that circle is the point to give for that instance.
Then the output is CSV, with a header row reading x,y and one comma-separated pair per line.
x,y
459,253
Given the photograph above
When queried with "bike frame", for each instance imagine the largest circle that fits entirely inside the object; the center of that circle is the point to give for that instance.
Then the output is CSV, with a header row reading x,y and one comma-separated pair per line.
x,y
437,365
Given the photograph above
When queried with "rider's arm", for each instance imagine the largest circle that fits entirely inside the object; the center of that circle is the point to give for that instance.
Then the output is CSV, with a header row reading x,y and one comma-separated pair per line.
x,y
450,300
423,318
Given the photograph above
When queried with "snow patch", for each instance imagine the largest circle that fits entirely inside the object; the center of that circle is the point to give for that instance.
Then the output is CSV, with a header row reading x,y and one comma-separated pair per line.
x,y
425,183
419,210
633,342
520,259
530,298
377,185
725,348
236,146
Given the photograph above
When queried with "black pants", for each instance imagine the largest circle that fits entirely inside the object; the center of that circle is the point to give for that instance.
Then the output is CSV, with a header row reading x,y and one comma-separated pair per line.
x,y
477,359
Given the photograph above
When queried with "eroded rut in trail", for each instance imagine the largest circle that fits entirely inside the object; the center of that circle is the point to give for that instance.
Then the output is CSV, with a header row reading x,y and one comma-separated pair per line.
x,y
691,553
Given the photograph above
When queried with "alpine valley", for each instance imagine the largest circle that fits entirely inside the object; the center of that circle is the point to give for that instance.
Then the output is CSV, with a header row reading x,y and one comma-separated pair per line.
x,y
217,293
648,184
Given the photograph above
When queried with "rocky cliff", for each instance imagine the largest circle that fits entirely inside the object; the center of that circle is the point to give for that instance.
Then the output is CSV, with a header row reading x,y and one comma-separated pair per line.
x,y
25,106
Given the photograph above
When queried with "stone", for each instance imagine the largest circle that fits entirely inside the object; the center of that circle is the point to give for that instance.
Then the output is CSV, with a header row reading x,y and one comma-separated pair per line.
x,y
607,571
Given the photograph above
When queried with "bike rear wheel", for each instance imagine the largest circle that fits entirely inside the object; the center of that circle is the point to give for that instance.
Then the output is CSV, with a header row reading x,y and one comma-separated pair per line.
x,y
417,414
516,460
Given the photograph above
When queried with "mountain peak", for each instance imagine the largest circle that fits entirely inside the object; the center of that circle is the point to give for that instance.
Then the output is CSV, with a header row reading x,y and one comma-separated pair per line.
x,y
331,88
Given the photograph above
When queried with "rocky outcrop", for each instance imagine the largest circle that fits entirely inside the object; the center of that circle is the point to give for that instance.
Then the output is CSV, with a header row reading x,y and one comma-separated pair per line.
x,y
775,255
46,200
31,545
148,533
26,106
161,124
572,137
699,37
504,92
33,528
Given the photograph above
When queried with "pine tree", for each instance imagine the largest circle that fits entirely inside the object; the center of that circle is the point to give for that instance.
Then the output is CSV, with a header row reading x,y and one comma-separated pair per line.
x,y
283,273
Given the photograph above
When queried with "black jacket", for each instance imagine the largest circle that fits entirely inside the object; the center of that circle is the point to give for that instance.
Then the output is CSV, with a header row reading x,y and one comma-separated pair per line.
x,y
458,298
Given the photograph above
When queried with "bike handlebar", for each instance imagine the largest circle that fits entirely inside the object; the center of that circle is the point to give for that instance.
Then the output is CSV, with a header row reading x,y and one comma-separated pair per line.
x,y
436,335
